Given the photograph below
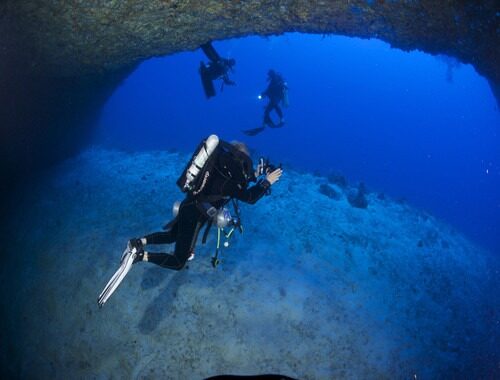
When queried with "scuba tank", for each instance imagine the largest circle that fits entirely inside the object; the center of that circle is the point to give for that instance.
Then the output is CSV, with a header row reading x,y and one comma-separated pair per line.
x,y
175,208
190,178
284,101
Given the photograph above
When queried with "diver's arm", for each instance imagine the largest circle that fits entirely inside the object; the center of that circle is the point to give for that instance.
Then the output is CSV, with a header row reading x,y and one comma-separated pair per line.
x,y
254,193
228,81
267,91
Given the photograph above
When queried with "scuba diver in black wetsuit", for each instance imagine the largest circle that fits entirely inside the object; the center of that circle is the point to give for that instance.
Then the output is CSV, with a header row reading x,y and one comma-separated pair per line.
x,y
219,172
277,92
217,68
229,178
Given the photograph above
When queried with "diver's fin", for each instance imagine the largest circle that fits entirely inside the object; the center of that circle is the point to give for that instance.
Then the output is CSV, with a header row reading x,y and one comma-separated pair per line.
x,y
253,132
206,81
127,260
279,125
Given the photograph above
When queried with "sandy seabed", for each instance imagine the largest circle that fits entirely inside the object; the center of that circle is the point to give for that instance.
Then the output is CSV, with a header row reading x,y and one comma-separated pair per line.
x,y
314,288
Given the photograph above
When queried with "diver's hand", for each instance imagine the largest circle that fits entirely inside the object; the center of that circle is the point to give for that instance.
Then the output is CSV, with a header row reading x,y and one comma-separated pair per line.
x,y
274,176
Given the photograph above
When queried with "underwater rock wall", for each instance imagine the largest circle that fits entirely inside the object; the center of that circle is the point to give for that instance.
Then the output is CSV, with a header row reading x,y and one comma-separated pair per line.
x,y
314,288
73,38
43,42
45,119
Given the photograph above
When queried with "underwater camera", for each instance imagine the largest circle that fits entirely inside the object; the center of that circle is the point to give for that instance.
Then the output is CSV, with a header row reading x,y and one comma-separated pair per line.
x,y
265,166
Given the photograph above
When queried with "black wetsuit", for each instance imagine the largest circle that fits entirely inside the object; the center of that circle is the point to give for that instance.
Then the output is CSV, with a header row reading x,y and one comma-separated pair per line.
x,y
217,67
185,228
216,70
275,92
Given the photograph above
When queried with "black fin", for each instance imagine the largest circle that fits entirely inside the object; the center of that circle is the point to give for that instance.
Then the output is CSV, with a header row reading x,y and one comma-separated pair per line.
x,y
206,81
253,132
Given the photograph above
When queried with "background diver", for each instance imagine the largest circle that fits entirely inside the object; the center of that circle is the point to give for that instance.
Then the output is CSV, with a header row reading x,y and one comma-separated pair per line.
x,y
216,68
276,92
230,171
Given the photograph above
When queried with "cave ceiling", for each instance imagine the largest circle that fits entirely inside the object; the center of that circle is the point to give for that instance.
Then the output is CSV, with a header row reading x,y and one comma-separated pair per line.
x,y
60,59
71,38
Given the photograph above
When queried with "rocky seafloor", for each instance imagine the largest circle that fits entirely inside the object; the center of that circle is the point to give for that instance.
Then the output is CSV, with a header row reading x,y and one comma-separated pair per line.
x,y
314,288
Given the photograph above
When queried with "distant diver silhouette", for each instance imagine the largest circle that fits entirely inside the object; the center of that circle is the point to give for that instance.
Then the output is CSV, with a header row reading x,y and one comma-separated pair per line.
x,y
217,68
276,92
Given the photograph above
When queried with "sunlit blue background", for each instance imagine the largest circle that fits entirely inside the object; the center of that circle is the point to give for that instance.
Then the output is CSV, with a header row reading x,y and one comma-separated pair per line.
x,y
409,124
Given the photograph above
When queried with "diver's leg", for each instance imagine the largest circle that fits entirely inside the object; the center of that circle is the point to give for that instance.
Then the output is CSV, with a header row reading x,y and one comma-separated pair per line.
x,y
278,110
189,225
165,260
267,115
163,237
210,52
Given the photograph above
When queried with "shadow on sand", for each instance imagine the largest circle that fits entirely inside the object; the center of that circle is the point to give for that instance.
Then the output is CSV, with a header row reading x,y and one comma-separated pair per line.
x,y
161,306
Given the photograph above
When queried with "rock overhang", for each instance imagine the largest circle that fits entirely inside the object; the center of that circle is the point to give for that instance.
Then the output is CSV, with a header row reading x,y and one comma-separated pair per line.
x,y
72,55
85,37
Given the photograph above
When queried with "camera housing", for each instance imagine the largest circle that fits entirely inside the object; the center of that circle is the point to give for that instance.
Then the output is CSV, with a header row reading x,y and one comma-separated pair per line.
x,y
265,166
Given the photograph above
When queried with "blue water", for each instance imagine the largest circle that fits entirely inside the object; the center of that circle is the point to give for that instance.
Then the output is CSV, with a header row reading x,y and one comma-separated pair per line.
x,y
409,124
